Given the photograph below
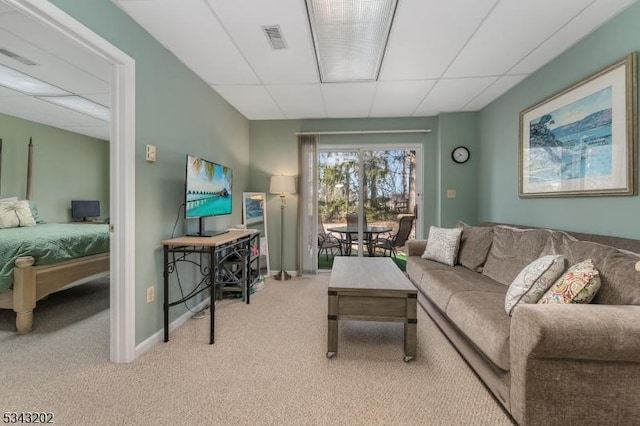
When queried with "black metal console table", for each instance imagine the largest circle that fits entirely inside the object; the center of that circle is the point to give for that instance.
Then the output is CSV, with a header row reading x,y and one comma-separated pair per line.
x,y
227,262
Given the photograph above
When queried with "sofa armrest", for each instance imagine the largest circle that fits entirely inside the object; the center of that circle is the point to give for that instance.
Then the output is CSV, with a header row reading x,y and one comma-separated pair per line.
x,y
415,247
568,360
592,332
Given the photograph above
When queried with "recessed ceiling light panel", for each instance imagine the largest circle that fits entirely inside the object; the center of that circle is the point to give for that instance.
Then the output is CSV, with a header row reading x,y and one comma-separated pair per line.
x,y
26,84
350,37
81,105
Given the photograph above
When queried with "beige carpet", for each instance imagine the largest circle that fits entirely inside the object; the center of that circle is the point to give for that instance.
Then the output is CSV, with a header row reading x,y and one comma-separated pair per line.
x,y
268,366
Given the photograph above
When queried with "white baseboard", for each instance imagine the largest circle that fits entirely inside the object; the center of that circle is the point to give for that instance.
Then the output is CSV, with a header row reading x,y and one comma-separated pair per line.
x,y
158,337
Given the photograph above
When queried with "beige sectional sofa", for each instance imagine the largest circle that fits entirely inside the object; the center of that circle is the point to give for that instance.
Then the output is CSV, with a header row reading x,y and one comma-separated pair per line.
x,y
546,364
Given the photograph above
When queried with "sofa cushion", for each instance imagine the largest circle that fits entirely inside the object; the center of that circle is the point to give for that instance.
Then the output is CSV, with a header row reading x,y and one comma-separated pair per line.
x,y
513,249
481,317
620,282
442,245
578,285
474,245
439,284
534,280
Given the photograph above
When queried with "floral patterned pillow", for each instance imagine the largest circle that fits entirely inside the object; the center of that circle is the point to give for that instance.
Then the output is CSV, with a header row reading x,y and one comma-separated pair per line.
x,y
578,285
442,245
533,281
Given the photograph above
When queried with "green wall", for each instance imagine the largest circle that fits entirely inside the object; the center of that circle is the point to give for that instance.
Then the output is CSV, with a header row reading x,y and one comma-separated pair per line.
x,y
66,166
178,113
498,126
274,151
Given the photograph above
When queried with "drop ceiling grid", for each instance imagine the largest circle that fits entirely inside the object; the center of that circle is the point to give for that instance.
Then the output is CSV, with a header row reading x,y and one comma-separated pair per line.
x,y
40,111
253,100
54,44
413,53
348,100
399,98
590,18
450,95
512,31
299,101
195,36
493,91
293,65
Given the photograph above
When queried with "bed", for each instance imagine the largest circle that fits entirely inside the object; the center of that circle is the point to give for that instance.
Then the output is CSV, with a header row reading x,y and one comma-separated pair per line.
x,y
36,261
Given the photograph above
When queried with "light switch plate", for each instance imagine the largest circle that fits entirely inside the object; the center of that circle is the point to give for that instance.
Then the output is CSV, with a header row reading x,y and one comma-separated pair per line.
x,y
451,193
150,153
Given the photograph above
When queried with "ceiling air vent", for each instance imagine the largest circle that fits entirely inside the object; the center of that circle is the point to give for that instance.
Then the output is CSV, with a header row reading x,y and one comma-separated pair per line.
x,y
274,35
16,57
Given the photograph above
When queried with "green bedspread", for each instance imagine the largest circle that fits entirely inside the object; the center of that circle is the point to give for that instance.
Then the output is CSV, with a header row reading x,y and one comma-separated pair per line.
x,y
49,243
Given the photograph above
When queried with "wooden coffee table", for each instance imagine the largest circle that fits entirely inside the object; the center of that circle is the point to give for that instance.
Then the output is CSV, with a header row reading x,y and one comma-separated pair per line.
x,y
371,289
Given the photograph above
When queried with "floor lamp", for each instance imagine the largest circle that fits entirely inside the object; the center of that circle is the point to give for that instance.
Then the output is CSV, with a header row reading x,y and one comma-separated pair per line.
x,y
282,185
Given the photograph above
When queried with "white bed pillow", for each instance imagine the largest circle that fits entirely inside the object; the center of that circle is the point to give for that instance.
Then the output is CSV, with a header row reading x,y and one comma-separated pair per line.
x,y
443,245
15,213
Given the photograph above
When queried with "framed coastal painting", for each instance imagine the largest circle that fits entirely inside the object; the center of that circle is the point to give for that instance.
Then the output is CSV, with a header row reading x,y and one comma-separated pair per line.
x,y
582,141
253,207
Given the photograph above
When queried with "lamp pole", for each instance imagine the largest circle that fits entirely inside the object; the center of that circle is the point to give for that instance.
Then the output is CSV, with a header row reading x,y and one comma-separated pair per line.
x,y
282,275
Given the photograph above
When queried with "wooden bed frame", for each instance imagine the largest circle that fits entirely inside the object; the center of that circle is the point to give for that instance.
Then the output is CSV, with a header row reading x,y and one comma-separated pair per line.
x,y
32,282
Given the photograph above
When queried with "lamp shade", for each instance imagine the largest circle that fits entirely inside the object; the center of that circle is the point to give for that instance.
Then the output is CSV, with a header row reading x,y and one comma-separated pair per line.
x,y
282,184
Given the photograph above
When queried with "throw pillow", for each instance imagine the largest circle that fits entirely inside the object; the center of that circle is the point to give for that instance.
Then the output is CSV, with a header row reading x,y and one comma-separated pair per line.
x,y
578,285
474,245
34,212
15,213
442,245
533,281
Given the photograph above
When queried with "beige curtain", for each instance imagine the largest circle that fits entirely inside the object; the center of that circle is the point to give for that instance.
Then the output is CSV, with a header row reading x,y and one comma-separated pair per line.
x,y
307,212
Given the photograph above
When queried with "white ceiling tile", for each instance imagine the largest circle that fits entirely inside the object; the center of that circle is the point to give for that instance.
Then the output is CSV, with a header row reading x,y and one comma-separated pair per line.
x,y
427,35
253,101
299,101
348,100
399,98
6,9
49,43
50,68
294,65
5,91
512,31
452,95
194,35
591,18
497,89
101,98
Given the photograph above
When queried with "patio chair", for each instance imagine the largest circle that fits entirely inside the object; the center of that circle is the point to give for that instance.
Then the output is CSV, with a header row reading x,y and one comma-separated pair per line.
x,y
326,241
391,243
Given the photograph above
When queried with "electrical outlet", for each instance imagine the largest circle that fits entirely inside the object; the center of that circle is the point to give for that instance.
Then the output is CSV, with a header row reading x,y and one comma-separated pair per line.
x,y
151,294
150,153
451,193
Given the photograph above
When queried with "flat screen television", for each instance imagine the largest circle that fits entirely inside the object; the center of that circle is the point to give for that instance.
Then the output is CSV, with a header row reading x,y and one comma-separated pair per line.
x,y
81,210
208,191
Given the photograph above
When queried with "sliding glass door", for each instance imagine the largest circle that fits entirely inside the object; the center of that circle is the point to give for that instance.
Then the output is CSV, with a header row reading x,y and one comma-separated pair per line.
x,y
361,194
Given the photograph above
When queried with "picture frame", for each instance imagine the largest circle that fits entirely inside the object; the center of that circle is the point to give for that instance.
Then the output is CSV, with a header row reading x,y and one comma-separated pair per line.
x,y
582,141
253,207
254,216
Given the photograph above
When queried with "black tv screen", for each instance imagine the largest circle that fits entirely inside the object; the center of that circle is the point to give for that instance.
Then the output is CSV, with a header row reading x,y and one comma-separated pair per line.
x,y
83,209
208,188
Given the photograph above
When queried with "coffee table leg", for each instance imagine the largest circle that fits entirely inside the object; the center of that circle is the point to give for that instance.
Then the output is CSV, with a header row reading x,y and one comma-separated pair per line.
x,y
332,319
410,326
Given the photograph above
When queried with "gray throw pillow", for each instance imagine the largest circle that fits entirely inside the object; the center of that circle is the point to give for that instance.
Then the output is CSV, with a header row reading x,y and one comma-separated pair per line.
x,y
533,281
442,245
474,245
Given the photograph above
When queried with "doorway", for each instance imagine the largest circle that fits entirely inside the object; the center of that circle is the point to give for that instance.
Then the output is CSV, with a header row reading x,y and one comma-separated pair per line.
x,y
362,193
122,168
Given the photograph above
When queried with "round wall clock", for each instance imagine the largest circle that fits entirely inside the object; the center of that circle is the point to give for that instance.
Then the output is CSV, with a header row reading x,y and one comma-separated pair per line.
x,y
460,154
